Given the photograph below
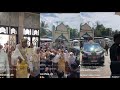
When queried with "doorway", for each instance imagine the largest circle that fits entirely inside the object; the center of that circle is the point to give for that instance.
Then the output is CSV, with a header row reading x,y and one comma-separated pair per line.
x,y
9,40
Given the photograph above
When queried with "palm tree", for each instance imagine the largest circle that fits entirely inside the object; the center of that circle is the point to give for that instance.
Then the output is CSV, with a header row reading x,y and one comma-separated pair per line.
x,y
43,28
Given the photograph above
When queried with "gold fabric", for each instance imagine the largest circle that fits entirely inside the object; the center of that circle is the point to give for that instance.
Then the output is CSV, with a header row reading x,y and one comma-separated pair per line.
x,y
61,64
22,70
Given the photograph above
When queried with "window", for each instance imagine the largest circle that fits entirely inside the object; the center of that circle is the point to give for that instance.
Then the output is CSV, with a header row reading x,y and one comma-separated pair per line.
x,y
35,32
27,31
28,42
13,31
3,30
32,35
35,41
8,30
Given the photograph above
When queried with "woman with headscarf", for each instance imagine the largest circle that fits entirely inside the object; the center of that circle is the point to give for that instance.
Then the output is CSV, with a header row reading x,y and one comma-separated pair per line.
x,y
74,67
71,59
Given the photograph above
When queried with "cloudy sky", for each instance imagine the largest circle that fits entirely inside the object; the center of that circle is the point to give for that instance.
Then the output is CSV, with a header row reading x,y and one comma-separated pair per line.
x,y
108,19
71,19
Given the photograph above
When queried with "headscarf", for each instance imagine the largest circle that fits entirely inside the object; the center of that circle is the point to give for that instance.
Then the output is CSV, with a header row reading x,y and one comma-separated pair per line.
x,y
71,58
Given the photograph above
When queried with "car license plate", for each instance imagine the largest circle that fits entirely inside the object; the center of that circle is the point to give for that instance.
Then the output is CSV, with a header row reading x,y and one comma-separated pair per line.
x,y
94,57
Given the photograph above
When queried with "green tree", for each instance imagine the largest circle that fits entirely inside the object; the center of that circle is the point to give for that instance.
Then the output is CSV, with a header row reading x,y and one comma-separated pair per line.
x,y
116,32
101,31
49,33
43,27
73,33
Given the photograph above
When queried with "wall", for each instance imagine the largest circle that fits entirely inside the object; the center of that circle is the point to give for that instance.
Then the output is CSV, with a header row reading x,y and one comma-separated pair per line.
x,y
20,20
9,18
31,20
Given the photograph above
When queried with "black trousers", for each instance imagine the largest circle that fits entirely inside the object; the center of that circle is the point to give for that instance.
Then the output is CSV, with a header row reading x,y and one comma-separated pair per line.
x,y
38,76
115,70
74,75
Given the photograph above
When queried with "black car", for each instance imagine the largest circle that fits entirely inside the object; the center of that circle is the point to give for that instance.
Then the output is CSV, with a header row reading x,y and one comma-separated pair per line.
x,y
92,53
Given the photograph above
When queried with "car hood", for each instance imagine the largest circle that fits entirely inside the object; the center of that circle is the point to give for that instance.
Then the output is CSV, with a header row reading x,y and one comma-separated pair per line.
x,y
99,52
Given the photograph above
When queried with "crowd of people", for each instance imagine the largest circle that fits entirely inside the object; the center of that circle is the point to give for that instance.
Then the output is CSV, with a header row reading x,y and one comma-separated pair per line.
x,y
60,62
46,62
22,61
19,61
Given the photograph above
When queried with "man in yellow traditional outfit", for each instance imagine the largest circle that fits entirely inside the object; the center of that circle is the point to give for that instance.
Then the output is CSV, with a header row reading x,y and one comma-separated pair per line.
x,y
20,57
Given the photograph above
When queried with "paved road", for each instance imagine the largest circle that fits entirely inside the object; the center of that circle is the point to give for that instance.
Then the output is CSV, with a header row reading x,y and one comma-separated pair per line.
x,y
96,71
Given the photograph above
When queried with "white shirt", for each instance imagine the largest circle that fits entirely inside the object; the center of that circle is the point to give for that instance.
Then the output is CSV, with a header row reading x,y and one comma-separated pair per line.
x,y
14,56
56,58
4,64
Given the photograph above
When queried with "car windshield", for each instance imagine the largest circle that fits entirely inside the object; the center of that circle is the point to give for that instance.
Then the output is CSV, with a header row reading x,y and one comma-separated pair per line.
x,y
92,47
76,44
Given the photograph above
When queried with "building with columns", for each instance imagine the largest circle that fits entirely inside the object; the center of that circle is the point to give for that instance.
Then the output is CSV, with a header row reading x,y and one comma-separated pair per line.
x,y
17,25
